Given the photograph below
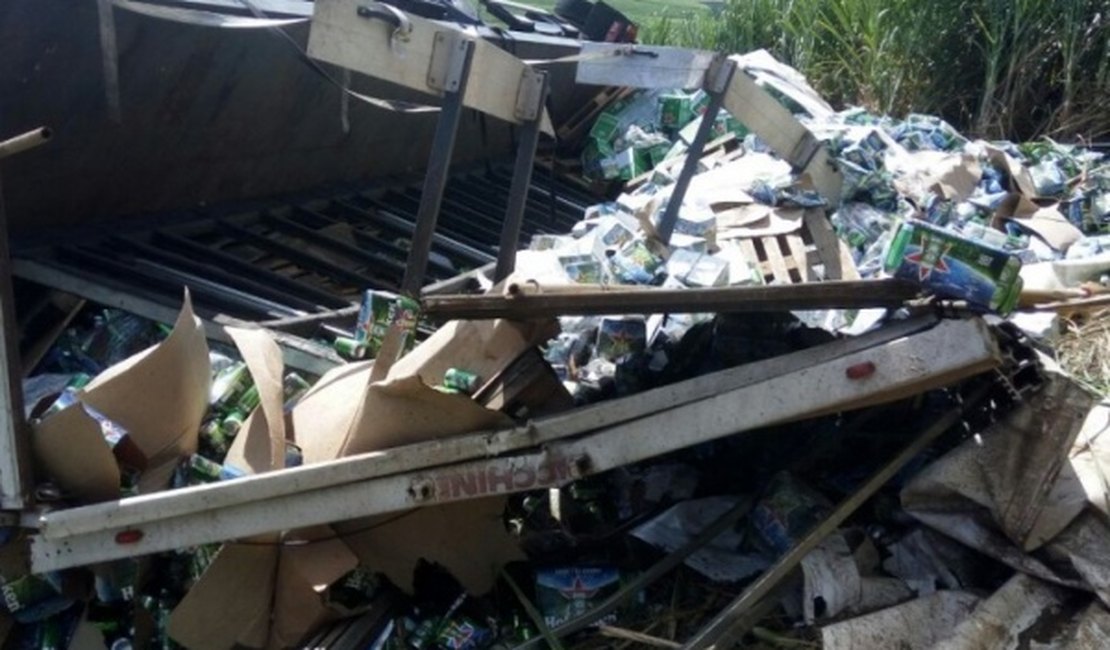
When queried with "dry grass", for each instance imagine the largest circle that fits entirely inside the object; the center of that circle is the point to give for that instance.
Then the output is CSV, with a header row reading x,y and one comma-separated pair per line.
x,y
1084,349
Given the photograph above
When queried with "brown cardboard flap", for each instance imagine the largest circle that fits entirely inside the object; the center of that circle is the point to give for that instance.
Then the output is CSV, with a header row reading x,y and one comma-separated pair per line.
x,y
159,396
226,603
769,222
481,347
1051,225
72,452
304,571
1022,180
468,538
264,430
952,175
345,414
404,411
323,416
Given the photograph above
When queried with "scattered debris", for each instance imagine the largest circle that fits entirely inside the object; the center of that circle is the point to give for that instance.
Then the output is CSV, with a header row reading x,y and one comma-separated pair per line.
x,y
803,322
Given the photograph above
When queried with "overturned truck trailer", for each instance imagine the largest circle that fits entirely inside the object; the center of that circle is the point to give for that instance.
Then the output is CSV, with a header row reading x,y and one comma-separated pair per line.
x,y
439,451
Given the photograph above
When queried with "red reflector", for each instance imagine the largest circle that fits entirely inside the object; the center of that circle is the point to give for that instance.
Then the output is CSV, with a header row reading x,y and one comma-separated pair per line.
x,y
860,370
128,536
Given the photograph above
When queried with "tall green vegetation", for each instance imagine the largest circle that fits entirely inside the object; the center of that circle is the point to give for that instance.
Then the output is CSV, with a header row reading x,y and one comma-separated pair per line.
x,y
1016,69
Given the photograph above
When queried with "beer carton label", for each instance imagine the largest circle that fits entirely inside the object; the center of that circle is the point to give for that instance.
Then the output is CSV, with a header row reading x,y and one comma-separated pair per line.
x,y
955,267
567,593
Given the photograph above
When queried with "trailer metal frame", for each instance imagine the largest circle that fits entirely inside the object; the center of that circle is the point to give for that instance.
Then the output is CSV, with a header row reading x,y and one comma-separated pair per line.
x,y
463,70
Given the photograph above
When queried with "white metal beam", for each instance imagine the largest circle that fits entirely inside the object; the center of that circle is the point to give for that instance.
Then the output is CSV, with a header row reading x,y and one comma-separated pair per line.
x,y
326,493
141,509
749,103
13,426
642,66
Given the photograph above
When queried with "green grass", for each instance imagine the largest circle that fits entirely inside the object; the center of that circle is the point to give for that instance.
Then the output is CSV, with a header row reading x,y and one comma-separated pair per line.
x,y
1017,69
1009,69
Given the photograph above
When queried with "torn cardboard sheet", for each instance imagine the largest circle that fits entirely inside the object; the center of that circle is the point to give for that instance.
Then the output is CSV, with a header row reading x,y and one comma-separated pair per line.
x,y
235,592
1020,179
1011,470
265,426
480,347
387,414
158,396
767,71
916,625
952,176
1050,225
305,561
720,559
834,584
346,416
310,561
265,592
758,220
728,183
1000,620
1018,490
468,538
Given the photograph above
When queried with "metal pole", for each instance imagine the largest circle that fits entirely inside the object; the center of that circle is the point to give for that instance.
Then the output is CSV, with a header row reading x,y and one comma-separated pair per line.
x,y
431,197
14,462
722,76
24,141
518,192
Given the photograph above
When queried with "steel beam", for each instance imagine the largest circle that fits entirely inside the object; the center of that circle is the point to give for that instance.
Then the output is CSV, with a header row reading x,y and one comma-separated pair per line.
x,y
518,192
435,179
550,452
718,79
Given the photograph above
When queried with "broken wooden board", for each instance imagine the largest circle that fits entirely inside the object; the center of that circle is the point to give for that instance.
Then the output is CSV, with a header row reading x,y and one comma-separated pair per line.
x,y
593,301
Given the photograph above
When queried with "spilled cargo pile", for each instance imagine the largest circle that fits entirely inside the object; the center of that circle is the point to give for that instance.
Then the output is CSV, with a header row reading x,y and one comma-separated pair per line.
x,y
779,471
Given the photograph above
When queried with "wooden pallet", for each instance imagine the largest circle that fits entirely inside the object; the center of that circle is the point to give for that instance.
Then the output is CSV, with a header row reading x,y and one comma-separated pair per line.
x,y
794,257
579,124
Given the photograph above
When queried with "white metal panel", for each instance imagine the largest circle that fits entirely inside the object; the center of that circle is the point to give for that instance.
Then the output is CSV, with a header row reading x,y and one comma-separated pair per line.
x,y
790,139
342,37
642,66
940,355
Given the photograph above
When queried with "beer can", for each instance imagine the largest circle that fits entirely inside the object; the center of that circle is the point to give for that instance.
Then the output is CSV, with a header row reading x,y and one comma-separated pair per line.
x,y
294,457
373,319
228,384
231,424
249,400
461,380
203,470
350,348
954,266
293,387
